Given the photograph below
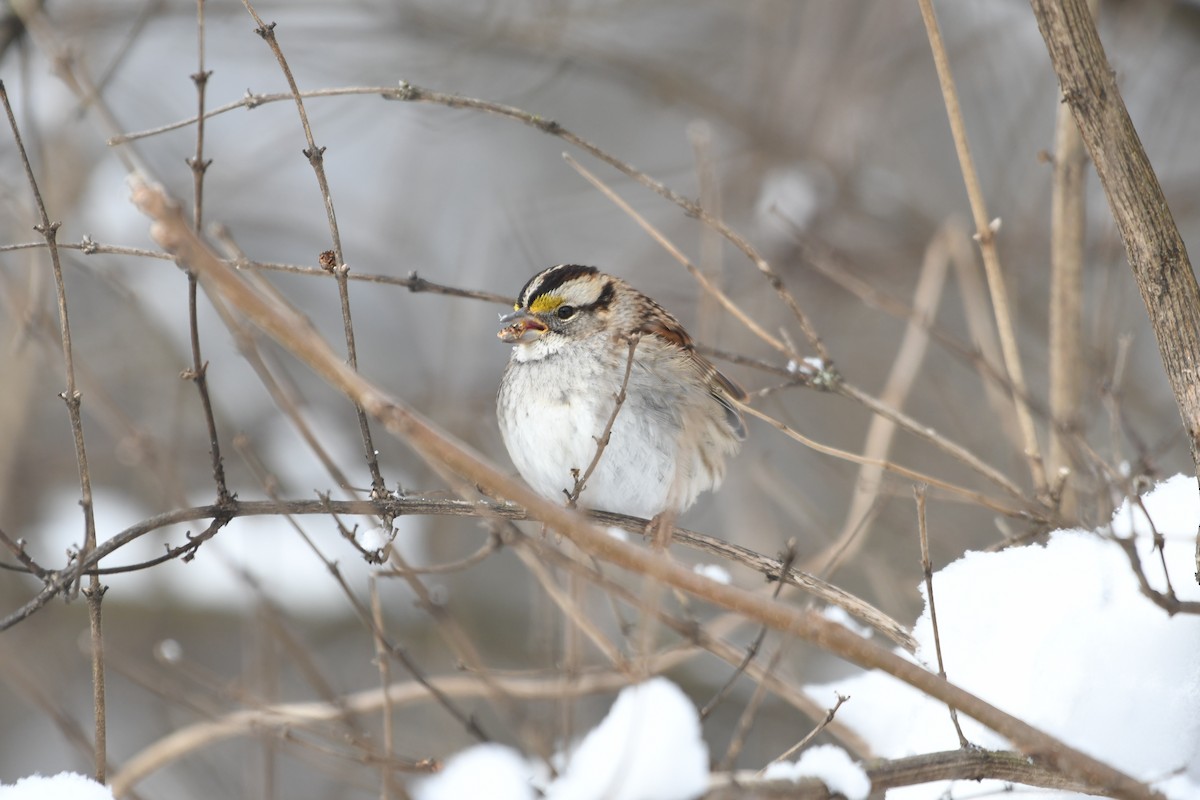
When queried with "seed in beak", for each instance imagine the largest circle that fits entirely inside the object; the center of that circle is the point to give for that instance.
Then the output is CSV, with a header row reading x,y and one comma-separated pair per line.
x,y
521,327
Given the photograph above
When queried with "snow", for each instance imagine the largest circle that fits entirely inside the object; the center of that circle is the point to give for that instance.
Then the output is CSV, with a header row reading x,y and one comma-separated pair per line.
x,y
829,764
486,770
809,366
648,748
1060,636
714,572
793,194
843,618
620,534
373,537
63,786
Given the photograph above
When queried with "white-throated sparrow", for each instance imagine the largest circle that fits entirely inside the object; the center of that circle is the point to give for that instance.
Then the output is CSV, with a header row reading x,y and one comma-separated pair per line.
x,y
571,330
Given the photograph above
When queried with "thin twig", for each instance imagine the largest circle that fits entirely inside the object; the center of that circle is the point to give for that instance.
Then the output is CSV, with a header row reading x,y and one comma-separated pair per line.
x,y
413,282
711,265
910,474
198,373
808,737
927,567
602,440
144,15
250,101
414,505
492,545
906,366
746,719
842,273
985,234
410,93
387,788
95,591
573,611
17,548
705,282
986,355
282,399
444,454
340,272
931,435
335,263
785,566
1168,600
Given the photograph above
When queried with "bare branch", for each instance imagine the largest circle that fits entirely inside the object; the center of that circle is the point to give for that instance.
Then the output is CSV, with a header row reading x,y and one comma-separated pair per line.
x,y
1153,245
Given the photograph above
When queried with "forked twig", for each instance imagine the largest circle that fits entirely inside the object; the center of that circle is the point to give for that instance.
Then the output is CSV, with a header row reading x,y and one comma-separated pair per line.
x,y
335,263
1167,600
808,737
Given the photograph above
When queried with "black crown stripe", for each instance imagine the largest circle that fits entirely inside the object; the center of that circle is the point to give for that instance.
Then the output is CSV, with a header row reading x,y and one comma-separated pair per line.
x,y
548,280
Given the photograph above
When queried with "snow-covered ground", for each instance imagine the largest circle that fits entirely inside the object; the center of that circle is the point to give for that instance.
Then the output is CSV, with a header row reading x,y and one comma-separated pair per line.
x,y
1058,634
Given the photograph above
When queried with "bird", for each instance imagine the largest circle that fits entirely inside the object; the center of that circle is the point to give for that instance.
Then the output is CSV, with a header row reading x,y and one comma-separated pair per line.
x,y
581,340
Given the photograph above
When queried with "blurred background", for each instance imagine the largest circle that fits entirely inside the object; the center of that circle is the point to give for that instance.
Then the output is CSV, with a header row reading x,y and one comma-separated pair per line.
x,y
816,130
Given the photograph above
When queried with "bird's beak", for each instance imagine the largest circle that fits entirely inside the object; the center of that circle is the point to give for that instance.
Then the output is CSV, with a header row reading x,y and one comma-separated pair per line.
x,y
520,326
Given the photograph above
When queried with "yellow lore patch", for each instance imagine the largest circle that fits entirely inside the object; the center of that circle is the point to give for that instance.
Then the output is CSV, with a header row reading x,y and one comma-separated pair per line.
x,y
545,303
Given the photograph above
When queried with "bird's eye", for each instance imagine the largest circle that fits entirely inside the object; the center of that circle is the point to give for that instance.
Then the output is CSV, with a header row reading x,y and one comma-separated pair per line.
x,y
565,312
